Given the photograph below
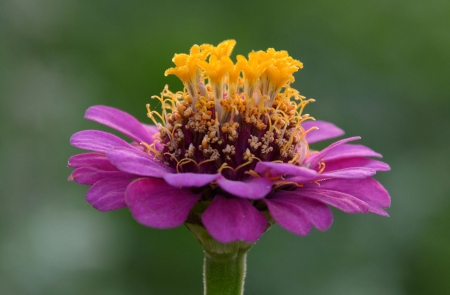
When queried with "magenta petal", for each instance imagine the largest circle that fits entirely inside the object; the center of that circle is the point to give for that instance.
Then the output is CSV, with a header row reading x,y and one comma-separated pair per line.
x,y
95,160
151,129
120,121
155,203
254,188
108,194
350,151
316,158
356,162
342,201
97,141
137,162
297,214
190,179
368,190
231,220
349,173
326,131
276,169
90,175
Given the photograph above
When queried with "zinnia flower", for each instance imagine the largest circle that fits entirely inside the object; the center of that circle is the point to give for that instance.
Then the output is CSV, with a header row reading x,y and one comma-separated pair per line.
x,y
230,153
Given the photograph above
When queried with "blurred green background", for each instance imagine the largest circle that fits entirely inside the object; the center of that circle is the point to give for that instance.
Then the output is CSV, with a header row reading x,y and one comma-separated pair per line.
x,y
378,69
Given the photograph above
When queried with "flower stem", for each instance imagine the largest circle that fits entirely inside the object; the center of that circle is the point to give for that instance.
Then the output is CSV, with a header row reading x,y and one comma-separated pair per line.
x,y
224,264
224,274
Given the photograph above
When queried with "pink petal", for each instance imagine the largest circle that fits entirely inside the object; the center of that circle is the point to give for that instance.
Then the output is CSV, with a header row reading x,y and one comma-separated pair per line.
x,y
342,201
155,203
326,131
97,141
350,151
276,169
137,162
254,188
96,160
231,220
349,173
356,162
151,129
120,121
368,190
312,160
108,194
190,179
90,175
297,214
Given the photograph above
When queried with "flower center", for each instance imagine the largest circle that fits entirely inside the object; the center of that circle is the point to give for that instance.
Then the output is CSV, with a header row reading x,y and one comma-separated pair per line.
x,y
247,112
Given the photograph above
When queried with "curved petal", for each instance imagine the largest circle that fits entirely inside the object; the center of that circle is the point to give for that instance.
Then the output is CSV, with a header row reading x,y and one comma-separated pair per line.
x,y
326,131
356,162
230,220
120,121
190,179
350,151
155,203
90,175
151,129
275,169
108,194
342,201
314,159
254,188
97,141
96,160
348,173
368,190
137,162
297,214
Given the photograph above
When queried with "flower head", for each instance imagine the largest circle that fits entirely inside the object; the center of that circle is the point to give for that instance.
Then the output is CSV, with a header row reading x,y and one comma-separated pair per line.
x,y
229,153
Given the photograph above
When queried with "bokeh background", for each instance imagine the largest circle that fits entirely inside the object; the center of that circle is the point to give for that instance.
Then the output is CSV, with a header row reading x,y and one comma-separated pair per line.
x,y
378,69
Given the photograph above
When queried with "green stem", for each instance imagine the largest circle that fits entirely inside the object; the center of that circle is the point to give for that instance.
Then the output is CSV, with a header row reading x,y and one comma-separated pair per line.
x,y
224,265
224,274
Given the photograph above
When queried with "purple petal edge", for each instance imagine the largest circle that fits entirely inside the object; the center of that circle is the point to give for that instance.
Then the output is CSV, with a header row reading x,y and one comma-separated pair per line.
x,y
296,214
96,160
155,203
326,131
190,179
90,175
120,121
108,194
314,159
276,169
97,141
234,219
254,188
137,162
368,189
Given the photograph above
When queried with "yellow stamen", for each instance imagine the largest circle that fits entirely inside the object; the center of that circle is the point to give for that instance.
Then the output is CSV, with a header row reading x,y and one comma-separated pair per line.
x,y
231,111
253,173
185,161
206,161
321,166
224,166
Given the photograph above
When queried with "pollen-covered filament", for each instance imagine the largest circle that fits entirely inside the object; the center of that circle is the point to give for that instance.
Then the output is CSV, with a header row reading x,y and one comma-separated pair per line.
x,y
230,115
